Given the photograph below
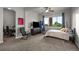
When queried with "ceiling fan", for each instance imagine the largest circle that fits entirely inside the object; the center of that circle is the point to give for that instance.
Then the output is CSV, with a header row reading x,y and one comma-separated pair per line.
x,y
48,9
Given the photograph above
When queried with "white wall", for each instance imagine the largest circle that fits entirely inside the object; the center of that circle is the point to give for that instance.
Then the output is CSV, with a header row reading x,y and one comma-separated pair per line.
x,y
28,16
67,13
8,18
1,25
31,16
75,23
74,12
19,14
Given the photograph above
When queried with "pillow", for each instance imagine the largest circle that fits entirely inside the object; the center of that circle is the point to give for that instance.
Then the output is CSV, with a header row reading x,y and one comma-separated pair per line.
x,y
64,29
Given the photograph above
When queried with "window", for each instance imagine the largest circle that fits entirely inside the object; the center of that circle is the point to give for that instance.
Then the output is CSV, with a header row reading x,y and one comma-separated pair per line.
x,y
57,21
46,21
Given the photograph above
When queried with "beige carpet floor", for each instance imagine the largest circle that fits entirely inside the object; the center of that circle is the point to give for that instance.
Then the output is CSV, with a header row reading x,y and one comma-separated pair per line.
x,y
37,43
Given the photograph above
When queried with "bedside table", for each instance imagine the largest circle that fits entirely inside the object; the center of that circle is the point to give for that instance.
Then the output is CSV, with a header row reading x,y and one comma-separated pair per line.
x,y
72,37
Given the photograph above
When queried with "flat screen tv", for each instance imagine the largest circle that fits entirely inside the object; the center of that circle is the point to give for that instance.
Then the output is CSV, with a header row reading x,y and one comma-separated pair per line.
x,y
35,24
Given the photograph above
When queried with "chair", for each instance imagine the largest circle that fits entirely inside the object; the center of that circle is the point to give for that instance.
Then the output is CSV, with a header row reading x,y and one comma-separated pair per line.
x,y
7,31
23,32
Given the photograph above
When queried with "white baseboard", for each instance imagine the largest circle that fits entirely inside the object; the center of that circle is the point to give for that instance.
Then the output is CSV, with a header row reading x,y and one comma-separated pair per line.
x,y
19,37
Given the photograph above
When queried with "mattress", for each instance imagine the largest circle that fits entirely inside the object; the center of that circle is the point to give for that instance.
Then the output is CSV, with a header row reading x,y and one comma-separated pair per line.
x,y
58,34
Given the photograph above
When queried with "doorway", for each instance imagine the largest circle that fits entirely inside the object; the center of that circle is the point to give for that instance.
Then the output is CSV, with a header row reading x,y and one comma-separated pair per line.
x,y
9,23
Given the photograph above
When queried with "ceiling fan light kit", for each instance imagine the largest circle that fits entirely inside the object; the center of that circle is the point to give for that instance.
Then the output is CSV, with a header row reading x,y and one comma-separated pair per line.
x,y
47,11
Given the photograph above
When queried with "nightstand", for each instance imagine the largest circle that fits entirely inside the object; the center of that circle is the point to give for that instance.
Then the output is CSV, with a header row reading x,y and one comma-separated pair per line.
x,y
72,37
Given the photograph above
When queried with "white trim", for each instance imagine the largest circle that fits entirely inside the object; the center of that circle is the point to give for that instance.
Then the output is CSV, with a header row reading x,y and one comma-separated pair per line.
x,y
19,37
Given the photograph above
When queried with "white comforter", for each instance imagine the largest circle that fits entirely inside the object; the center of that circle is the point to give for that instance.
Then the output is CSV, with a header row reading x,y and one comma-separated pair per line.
x,y
58,34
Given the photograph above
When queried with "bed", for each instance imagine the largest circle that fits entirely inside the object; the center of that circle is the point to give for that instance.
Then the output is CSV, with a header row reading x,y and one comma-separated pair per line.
x,y
57,34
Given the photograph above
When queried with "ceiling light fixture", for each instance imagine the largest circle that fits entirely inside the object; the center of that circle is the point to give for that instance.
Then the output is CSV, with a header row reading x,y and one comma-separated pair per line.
x,y
47,11
9,8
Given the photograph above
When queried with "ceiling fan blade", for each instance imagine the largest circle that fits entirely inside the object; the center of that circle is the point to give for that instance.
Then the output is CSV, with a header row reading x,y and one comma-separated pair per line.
x,y
51,10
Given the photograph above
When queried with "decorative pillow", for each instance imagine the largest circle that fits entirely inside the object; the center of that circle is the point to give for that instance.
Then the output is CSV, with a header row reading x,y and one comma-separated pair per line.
x,y
64,29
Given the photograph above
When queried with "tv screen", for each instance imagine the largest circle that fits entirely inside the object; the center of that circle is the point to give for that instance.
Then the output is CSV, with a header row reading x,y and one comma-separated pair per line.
x,y
35,24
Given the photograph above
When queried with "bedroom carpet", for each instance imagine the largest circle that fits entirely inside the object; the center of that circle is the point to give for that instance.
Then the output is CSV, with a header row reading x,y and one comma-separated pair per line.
x,y
37,43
